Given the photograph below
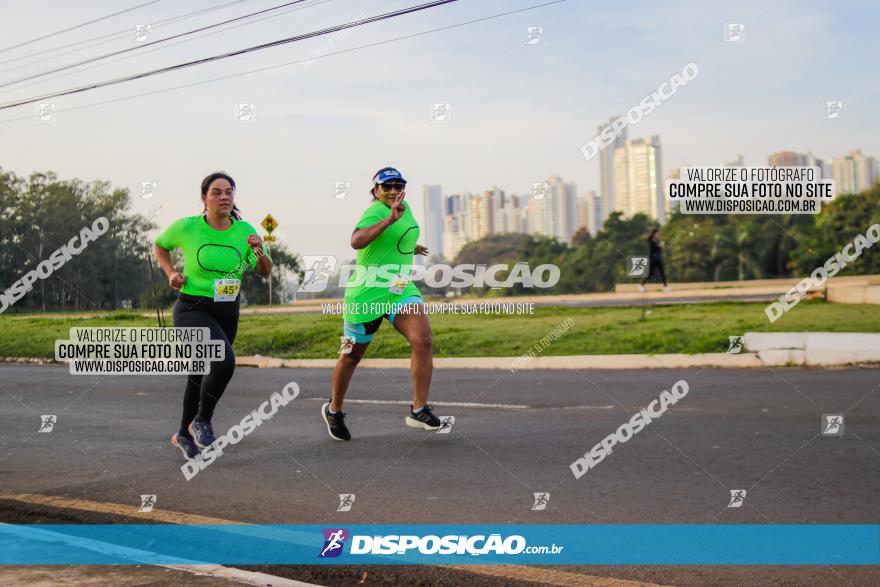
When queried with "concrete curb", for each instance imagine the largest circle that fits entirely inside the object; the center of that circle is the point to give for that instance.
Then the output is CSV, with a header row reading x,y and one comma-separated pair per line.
x,y
763,349
672,361
817,349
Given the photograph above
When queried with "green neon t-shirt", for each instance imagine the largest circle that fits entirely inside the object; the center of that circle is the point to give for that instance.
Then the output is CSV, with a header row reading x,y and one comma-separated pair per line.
x,y
391,253
209,254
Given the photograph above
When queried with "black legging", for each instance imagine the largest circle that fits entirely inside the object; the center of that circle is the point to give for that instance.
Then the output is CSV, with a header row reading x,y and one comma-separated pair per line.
x,y
204,391
655,263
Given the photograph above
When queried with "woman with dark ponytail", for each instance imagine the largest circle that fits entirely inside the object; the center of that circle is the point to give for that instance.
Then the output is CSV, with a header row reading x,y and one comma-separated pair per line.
x,y
217,248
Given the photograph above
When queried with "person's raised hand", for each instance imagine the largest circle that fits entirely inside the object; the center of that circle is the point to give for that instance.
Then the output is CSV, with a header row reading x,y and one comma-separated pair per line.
x,y
397,207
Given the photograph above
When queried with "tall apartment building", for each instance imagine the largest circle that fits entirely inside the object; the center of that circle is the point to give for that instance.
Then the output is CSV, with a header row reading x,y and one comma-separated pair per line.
x,y
607,188
854,172
432,228
588,215
787,159
638,179
482,221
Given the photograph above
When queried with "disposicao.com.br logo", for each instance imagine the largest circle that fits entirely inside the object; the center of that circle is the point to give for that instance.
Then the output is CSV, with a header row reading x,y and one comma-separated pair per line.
x,y
334,541
320,268
431,544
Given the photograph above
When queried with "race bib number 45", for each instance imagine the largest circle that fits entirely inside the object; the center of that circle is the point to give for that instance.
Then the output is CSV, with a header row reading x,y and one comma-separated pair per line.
x,y
226,290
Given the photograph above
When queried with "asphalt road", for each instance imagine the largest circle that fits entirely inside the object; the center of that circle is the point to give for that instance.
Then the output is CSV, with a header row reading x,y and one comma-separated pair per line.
x,y
755,429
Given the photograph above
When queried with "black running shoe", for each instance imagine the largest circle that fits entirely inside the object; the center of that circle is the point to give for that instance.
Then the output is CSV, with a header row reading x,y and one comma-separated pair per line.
x,y
202,433
186,446
425,419
336,427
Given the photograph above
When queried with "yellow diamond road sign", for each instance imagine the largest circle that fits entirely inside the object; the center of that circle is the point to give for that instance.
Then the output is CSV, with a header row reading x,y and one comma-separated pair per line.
x,y
269,223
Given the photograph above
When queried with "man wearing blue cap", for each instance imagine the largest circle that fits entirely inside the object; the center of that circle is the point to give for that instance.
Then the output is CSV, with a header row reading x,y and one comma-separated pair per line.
x,y
385,239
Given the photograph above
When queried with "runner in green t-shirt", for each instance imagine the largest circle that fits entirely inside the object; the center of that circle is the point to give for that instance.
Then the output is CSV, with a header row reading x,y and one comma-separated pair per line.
x,y
217,248
385,239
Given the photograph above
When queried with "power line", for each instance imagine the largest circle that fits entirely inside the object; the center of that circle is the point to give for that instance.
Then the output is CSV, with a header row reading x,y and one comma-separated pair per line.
x,y
78,26
255,21
277,43
289,63
108,36
156,42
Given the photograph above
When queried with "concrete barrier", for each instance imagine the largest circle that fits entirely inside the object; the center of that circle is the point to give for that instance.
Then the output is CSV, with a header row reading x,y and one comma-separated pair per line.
x,y
859,289
755,342
842,348
847,293
670,361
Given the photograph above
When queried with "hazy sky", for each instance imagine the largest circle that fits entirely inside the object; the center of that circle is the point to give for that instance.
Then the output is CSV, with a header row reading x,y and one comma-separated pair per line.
x,y
519,113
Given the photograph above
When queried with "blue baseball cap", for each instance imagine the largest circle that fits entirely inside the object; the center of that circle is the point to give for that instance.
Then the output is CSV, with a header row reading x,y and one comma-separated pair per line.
x,y
387,174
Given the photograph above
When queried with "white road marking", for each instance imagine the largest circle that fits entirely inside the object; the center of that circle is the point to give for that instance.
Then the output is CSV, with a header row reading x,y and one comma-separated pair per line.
x,y
437,404
395,402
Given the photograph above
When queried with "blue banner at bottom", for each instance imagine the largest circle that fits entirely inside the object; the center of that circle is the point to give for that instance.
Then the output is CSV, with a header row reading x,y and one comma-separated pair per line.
x,y
522,544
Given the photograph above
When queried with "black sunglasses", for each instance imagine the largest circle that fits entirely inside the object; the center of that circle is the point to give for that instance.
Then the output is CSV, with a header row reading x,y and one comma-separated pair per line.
x,y
388,186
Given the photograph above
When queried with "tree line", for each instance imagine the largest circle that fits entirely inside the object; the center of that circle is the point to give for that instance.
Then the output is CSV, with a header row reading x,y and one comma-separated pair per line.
x,y
697,247
42,213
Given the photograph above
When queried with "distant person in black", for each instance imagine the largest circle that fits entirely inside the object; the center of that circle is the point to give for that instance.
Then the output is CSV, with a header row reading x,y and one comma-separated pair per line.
x,y
655,260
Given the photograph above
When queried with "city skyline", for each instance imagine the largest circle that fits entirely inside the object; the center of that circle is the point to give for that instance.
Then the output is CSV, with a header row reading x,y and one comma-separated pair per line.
x,y
332,120
556,209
